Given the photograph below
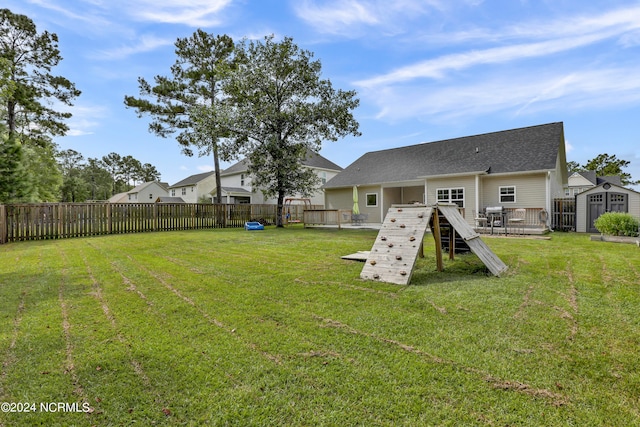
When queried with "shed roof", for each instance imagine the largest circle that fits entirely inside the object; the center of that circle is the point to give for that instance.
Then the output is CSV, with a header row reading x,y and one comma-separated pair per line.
x,y
518,150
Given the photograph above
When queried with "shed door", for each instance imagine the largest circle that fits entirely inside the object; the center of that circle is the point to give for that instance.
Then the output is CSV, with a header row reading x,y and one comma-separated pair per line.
x,y
596,207
600,203
617,202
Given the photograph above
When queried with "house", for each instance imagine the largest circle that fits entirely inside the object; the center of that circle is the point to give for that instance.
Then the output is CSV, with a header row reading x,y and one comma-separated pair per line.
x,y
584,180
169,199
195,187
237,186
604,197
147,192
519,168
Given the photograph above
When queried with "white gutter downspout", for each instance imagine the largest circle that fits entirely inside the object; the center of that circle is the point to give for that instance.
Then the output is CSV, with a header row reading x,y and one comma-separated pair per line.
x,y
477,194
381,204
426,188
548,201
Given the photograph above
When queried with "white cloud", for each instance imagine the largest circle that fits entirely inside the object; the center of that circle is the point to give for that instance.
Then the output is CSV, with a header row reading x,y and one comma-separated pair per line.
x,y
557,37
85,118
348,17
517,94
195,13
145,43
205,168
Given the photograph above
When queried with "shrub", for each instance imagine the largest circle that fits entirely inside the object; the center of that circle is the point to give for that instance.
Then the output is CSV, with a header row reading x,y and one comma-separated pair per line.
x,y
617,224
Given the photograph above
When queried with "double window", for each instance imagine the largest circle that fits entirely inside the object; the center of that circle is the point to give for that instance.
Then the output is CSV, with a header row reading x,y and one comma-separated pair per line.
x,y
451,195
507,194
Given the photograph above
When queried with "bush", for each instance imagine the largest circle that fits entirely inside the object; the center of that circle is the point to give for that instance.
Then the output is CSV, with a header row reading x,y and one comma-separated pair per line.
x,y
617,224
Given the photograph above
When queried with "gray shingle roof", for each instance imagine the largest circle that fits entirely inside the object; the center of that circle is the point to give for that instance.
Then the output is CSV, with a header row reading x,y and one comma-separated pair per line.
x,y
517,150
193,179
314,160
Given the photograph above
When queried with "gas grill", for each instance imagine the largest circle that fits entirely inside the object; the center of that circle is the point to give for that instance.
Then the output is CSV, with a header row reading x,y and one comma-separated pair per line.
x,y
496,216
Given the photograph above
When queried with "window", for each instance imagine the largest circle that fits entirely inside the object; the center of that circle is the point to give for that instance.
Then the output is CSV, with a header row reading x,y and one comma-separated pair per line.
x,y
173,192
372,200
323,177
508,194
451,195
242,179
150,196
184,191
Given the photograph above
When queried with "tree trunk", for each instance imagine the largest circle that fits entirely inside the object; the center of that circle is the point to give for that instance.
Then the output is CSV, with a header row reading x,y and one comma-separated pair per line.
x,y
279,209
216,165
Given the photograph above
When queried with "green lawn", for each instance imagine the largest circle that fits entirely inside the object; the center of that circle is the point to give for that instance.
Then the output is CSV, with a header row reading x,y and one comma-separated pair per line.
x,y
228,327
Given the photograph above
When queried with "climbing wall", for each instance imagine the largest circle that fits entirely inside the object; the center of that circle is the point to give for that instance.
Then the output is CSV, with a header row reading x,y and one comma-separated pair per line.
x,y
398,244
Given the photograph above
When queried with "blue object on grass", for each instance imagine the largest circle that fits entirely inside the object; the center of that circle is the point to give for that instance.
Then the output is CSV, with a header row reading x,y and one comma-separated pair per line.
x,y
253,226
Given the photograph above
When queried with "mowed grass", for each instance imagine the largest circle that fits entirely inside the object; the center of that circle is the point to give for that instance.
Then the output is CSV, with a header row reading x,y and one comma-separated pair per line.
x,y
228,327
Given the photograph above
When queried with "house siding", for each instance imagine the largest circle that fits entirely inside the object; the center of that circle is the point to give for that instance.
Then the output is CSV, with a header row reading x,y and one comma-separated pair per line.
x,y
530,190
466,182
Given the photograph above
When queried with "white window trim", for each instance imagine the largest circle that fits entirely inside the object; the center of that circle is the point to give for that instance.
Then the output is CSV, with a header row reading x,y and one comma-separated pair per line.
x,y
448,190
515,198
366,200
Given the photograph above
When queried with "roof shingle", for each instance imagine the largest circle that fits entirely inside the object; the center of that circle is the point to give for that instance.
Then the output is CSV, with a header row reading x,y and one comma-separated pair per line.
x,y
517,150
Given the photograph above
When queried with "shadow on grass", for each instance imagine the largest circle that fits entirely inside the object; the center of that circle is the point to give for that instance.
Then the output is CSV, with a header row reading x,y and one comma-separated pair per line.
x,y
464,267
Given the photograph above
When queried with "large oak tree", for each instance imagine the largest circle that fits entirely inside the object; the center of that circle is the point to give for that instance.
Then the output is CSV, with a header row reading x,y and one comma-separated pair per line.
x,y
282,110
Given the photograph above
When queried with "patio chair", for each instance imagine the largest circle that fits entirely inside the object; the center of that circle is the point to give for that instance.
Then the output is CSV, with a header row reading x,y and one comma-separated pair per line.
x,y
517,219
481,220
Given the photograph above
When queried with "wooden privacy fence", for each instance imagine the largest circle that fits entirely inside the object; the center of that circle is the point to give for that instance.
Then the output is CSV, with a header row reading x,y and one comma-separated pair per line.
x,y
64,220
564,214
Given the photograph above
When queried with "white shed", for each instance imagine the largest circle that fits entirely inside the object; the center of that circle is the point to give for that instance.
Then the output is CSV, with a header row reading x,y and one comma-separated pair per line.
x,y
606,197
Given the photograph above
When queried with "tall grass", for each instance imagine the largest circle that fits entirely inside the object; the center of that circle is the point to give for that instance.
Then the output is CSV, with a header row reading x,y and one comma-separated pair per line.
x,y
228,327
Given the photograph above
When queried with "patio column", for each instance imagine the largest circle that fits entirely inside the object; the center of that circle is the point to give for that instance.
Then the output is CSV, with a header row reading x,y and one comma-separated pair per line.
x,y
477,194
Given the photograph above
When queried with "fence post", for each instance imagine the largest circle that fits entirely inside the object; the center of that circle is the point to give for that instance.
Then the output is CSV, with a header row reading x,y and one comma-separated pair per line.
x,y
108,218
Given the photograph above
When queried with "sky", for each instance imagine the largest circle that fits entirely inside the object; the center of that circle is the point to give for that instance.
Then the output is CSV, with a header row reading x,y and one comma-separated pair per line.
x,y
423,70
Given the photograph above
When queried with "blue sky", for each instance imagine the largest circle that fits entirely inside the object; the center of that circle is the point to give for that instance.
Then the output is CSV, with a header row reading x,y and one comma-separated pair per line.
x,y
424,70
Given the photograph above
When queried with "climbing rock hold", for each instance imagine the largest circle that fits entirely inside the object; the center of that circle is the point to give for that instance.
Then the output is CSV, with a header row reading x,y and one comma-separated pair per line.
x,y
393,220
412,238
383,238
420,215
399,210
402,226
376,276
398,257
373,262
403,273
390,245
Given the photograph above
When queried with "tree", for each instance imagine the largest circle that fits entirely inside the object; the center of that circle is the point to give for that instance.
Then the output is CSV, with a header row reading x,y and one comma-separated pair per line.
x,y
74,187
149,173
98,179
113,163
607,165
202,65
281,112
573,167
29,58
12,173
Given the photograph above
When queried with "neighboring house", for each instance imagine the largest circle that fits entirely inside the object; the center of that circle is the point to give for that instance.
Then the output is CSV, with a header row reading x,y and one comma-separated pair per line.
x,y
192,188
119,198
519,168
168,199
584,180
604,197
237,186
147,192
